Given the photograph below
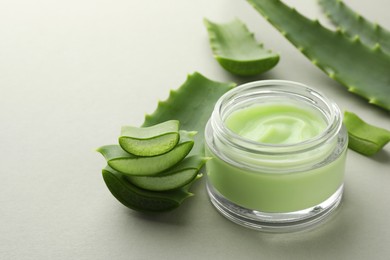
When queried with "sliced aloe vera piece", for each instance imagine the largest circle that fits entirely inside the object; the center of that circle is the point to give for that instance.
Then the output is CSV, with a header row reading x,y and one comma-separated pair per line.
x,y
126,163
175,177
236,49
150,141
363,70
139,199
364,138
192,105
354,24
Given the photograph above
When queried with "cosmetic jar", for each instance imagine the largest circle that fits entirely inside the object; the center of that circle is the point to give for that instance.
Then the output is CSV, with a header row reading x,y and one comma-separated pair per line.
x,y
278,153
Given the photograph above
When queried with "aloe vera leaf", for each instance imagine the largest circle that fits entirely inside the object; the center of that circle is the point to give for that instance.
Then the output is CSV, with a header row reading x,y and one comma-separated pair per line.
x,y
126,163
364,138
364,71
354,24
236,49
175,177
192,105
139,199
150,141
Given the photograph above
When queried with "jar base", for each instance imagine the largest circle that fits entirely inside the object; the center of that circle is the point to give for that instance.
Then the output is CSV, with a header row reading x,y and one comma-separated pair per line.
x,y
275,222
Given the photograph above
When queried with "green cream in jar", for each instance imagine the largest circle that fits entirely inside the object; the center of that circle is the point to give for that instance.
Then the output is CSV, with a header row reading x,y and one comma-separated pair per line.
x,y
276,123
278,150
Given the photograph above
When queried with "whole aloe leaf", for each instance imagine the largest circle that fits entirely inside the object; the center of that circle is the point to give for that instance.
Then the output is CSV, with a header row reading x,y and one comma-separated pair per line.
x,y
354,24
236,49
192,105
363,70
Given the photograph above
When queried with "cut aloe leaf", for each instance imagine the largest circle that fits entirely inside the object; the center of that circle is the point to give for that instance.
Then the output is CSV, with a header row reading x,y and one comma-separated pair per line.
x,y
176,177
364,138
150,141
139,199
354,24
126,163
363,70
236,49
192,104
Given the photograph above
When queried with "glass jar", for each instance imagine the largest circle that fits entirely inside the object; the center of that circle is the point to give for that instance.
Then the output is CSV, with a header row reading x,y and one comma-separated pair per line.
x,y
275,187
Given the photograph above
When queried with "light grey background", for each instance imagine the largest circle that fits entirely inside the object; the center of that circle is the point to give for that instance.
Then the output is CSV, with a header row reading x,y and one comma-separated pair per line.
x,y
73,72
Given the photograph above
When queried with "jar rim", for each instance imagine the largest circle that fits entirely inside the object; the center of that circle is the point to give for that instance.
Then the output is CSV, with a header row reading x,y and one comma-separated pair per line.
x,y
312,96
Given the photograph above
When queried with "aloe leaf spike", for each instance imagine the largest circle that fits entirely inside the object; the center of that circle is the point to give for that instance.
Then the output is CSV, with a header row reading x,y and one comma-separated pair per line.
x,y
150,141
353,24
363,70
236,50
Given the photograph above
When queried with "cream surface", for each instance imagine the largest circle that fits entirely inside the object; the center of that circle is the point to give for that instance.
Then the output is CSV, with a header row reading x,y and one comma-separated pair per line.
x,y
276,123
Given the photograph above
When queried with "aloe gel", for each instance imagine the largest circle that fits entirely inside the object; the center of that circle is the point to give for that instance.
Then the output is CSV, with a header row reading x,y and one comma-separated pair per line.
x,y
150,141
276,123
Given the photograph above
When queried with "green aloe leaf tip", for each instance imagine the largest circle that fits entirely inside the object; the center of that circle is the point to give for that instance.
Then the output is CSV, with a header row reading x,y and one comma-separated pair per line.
x,y
364,138
236,49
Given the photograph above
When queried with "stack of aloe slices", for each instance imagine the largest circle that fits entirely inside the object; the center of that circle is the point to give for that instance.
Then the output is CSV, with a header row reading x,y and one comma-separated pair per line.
x,y
148,170
153,167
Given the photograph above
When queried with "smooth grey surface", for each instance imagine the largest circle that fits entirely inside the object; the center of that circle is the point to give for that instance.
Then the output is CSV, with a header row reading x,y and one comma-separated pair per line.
x,y
73,72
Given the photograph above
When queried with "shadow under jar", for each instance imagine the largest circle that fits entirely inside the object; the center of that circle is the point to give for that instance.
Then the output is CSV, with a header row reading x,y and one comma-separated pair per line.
x,y
278,153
